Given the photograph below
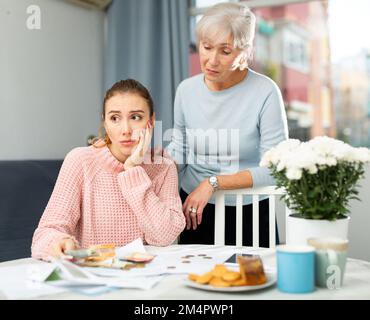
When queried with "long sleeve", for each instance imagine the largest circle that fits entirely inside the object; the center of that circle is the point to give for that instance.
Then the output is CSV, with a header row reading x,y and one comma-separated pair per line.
x,y
63,209
177,148
159,215
273,129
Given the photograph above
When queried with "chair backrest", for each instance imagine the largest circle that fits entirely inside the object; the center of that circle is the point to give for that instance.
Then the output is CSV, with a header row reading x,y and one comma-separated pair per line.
x,y
271,191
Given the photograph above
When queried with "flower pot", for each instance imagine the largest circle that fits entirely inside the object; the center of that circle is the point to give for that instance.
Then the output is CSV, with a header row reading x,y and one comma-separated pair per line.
x,y
300,229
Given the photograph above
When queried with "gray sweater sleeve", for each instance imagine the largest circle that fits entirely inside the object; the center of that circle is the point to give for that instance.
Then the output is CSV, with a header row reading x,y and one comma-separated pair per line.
x,y
178,148
273,129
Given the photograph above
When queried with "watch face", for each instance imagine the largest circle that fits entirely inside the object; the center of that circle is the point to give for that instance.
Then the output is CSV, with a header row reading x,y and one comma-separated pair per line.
x,y
213,181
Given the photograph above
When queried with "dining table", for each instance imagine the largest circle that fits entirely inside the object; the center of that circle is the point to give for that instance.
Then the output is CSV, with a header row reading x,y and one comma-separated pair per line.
x,y
175,285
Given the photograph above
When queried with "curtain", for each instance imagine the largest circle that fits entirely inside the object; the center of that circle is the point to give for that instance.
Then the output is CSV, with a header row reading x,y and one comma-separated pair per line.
x,y
148,40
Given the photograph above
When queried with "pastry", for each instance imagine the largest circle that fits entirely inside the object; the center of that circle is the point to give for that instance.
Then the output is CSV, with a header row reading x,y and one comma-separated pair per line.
x,y
231,276
218,282
219,270
204,278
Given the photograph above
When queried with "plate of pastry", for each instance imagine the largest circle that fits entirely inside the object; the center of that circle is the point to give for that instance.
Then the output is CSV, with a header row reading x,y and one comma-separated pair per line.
x,y
250,276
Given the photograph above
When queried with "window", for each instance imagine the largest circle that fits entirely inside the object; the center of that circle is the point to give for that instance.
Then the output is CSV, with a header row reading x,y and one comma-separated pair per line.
x,y
295,51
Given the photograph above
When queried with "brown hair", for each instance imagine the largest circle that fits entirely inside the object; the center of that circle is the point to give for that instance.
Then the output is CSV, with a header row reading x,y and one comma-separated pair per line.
x,y
123,86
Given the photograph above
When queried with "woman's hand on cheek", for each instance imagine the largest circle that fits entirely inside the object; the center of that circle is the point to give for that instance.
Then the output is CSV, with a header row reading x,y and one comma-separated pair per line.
x,y
138,152
197,199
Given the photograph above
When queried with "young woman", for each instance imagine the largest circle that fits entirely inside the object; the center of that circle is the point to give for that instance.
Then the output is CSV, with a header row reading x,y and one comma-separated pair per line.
x,y
115,190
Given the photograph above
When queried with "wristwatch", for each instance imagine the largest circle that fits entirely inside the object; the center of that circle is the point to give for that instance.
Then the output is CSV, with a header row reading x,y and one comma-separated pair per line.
x,y
213,182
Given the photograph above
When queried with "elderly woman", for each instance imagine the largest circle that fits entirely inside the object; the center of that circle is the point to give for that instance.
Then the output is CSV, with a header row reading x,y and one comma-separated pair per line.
x,y
225,119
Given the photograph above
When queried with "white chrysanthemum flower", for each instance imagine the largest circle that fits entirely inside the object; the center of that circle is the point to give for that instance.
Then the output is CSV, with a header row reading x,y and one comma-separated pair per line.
x,y
331,161
343,153
270,157
317,154
361,155
266,160
325,146
312,169
320,160
306,158
293,174
288,145
281,166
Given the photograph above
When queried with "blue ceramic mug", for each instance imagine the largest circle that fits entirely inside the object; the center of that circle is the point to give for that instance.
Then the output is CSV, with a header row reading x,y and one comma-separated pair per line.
x,y
295,268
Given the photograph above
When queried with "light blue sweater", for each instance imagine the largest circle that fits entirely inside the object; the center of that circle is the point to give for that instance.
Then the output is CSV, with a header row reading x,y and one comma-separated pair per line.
x,y
223,132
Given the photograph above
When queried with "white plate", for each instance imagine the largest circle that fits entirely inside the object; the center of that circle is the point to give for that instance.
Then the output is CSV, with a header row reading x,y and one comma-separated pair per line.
x,y
271,279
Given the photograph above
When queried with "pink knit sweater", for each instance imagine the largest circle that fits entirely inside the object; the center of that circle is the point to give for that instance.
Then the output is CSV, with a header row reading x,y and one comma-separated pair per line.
x,y
95,202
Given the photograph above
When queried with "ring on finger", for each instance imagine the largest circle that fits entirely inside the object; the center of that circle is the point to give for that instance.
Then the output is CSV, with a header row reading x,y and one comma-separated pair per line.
x,y
193,211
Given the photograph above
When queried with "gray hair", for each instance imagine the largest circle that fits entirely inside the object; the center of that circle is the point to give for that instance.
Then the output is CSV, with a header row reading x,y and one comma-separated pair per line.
x,y
224,19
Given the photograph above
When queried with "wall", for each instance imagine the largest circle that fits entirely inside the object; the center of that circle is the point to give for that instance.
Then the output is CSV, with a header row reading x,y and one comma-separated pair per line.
x,y
359,227
51,80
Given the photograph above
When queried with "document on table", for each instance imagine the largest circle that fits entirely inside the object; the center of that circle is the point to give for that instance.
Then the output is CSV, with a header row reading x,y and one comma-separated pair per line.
x,y
182,261
198,259
134,246
185,259
72,275
29,281
34,280
16,281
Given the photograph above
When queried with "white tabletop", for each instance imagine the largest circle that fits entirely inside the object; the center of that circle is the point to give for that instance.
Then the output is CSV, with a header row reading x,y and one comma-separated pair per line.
x,y
171,287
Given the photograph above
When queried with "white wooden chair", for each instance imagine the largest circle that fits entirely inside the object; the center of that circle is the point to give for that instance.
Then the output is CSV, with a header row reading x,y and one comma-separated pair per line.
x,y
271,191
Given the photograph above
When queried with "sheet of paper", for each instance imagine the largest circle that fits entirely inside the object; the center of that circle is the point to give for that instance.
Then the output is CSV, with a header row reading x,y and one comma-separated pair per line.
x,y
148,270
28,281
182,260
74,276
198,259
92,291
134,246
16,281
144,283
